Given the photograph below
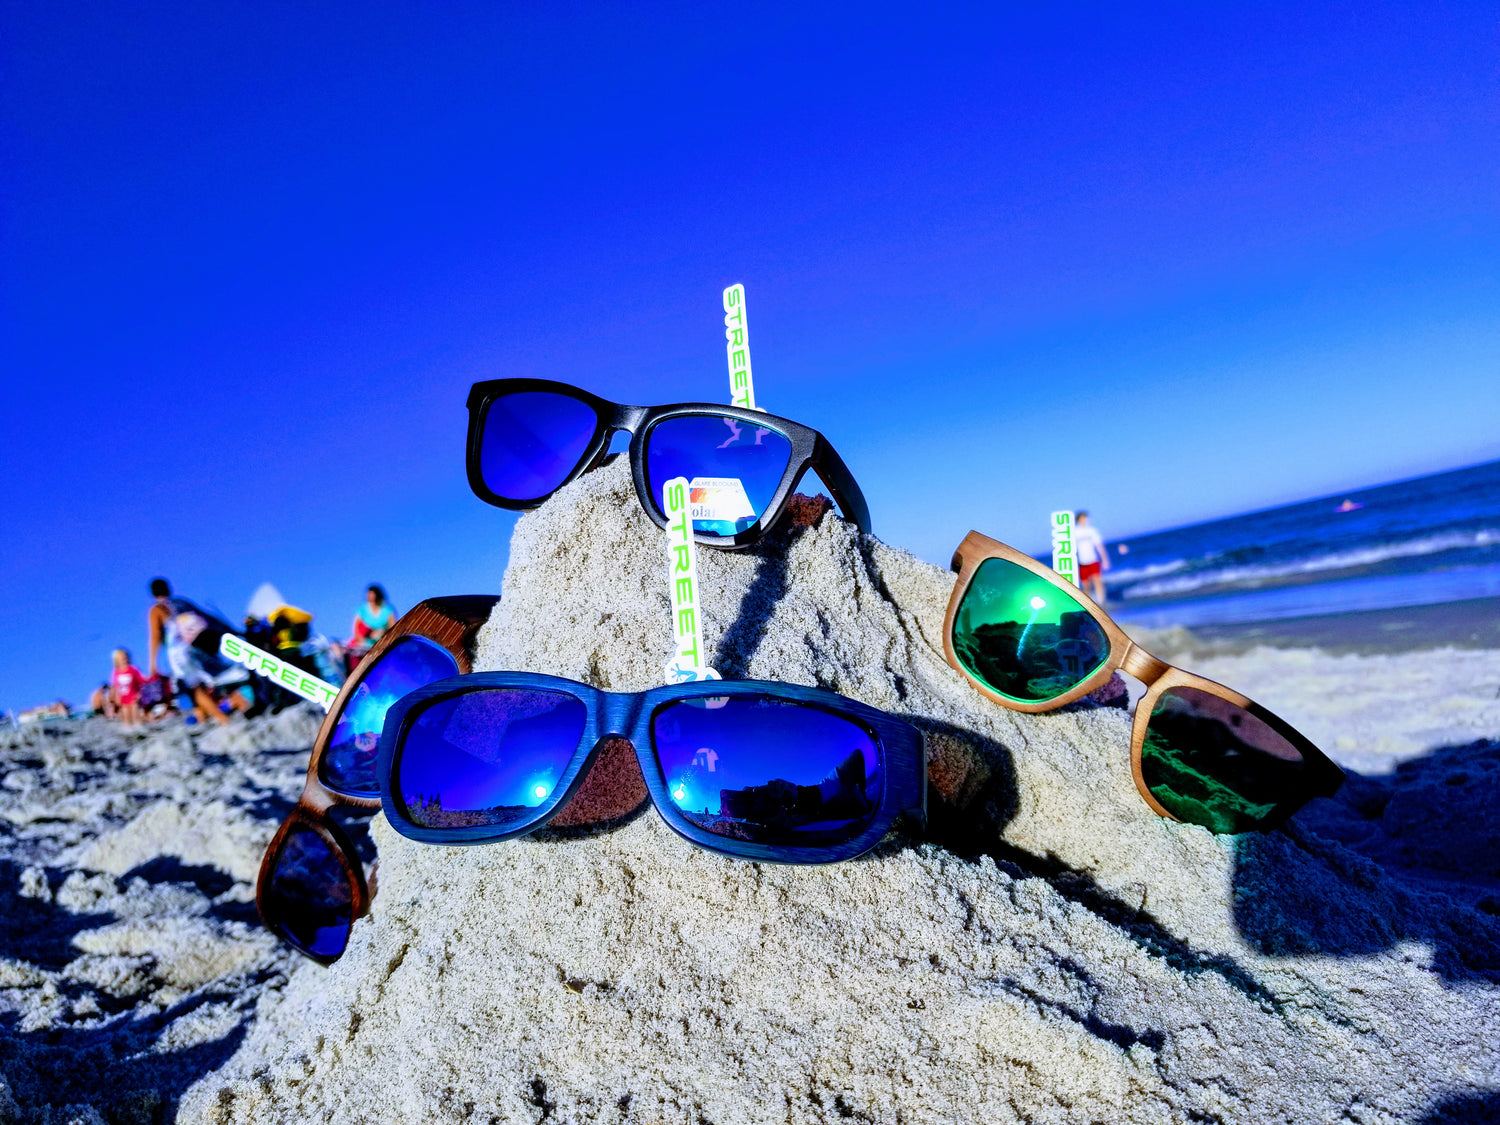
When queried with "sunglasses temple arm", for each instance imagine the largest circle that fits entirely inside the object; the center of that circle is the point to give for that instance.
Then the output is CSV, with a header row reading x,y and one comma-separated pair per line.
x,y
835,474
1333,779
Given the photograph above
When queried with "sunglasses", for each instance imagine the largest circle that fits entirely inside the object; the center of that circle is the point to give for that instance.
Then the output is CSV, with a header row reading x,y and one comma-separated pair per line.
x,y
751,769
312,883
1199,751
529,437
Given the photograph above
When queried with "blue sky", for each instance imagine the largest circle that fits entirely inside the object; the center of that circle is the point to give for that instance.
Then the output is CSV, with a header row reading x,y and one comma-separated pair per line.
x,y
1167,263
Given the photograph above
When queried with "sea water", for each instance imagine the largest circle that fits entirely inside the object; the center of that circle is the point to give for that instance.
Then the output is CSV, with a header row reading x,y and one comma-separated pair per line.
x,y
1415,542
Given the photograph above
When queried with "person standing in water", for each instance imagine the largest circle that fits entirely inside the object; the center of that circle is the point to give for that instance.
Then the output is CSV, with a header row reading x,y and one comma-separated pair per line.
x,y
1092,556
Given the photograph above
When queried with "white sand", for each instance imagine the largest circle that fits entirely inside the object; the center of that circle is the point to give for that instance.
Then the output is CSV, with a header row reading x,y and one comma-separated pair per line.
x,y
1110,966
1050,952
130,957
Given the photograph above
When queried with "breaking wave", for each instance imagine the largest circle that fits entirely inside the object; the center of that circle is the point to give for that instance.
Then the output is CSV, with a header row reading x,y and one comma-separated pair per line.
x,y
1168,580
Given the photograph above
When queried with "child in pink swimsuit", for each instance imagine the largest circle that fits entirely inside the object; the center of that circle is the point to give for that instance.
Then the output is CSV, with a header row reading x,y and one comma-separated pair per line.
x,y
125,685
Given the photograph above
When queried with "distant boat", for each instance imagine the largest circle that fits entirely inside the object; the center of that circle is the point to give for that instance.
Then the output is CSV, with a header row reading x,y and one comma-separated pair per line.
x,y
1349,506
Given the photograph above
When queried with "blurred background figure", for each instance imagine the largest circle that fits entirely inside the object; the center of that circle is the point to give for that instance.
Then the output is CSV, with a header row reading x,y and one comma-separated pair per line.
x,y
1092,555
101,703
190,634
287,631
371,622
125,684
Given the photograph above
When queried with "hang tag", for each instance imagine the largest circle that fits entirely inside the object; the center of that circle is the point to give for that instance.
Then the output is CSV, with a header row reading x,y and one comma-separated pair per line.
x,y
737,348
687,663
1063,559
719,498
278,671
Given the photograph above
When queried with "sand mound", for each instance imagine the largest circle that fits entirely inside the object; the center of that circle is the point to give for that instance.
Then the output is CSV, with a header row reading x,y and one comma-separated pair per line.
x,y
130,956
1050,951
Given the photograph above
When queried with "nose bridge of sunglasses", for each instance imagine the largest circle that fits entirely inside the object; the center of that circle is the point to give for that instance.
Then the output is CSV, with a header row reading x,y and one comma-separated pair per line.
x,y
1142,665
627,419
612,788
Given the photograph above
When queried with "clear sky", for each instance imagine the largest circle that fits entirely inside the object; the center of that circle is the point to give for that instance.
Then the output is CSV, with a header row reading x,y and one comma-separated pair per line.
x,y
1167,263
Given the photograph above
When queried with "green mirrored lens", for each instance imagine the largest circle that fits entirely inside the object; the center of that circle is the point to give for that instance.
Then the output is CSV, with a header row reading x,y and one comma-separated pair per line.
x,y
1024,637
1213,763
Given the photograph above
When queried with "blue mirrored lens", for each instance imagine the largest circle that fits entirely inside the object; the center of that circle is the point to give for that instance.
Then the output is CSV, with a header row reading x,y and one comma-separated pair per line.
x,y
349,762
532,441
732,467
767,770
487,757
307,899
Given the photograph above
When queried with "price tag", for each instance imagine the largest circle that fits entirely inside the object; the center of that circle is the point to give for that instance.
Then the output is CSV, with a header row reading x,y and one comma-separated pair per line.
x,y
718,498
687,663
737,347
1063,560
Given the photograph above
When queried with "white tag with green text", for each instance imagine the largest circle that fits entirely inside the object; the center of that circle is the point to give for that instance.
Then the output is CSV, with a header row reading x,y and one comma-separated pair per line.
x,y
737,347
1063,560
278,671
688,661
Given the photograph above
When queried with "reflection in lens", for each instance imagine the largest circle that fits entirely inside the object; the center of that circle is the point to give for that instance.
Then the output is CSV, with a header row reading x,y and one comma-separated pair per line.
x,y
532,441
733,467
1213,763
348,764
307,899
1024,637
487,757
767,770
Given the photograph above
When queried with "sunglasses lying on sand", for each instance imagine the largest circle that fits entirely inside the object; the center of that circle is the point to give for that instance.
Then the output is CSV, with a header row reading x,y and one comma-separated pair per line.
x,y
312,883
529,437
1200,752
750,769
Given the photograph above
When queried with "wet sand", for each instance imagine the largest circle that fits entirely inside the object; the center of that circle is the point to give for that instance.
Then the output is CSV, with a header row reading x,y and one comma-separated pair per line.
x,y
1470,624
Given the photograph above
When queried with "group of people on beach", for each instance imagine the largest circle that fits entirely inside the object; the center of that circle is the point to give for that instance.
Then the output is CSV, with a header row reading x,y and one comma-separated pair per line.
x,y
185,669
213,688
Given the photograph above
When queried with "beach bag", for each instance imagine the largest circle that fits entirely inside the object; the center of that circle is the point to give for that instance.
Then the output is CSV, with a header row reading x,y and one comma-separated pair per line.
x,y
154,691
198,627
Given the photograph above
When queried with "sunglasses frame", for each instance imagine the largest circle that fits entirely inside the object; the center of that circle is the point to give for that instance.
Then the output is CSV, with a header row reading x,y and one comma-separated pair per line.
x,y
1321,776
810,450
900,747
451,623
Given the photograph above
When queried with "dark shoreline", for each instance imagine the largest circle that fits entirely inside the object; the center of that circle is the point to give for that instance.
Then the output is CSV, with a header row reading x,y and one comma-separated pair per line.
x,y
1473,623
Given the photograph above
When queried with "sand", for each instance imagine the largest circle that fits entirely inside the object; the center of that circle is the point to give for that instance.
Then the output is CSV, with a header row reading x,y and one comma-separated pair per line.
x,y
1047,951
130,955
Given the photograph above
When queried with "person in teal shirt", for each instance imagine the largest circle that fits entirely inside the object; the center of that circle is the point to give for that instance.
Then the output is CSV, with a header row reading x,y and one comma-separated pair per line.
x,y
372,621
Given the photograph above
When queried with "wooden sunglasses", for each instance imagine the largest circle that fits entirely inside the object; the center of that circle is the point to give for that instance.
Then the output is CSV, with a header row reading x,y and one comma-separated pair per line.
x,y
1199,751
312,883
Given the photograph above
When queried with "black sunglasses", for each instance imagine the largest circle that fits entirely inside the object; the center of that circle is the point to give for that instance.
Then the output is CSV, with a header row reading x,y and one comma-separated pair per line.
x,y
529,437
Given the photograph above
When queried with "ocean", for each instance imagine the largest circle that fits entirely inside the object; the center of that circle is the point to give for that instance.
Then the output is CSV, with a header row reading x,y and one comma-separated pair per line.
x,y
1415,542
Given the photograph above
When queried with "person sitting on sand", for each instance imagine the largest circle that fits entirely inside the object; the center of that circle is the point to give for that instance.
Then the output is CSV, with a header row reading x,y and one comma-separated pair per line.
x,y
1092,555
101,703
372,622
191,636
125,688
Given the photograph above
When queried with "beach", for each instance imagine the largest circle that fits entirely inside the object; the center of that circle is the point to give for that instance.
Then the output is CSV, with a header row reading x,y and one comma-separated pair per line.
x,y
1047,949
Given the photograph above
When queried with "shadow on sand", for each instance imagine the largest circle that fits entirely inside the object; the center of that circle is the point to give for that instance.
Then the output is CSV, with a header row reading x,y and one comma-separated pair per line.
x,y
100,1045
1419,852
